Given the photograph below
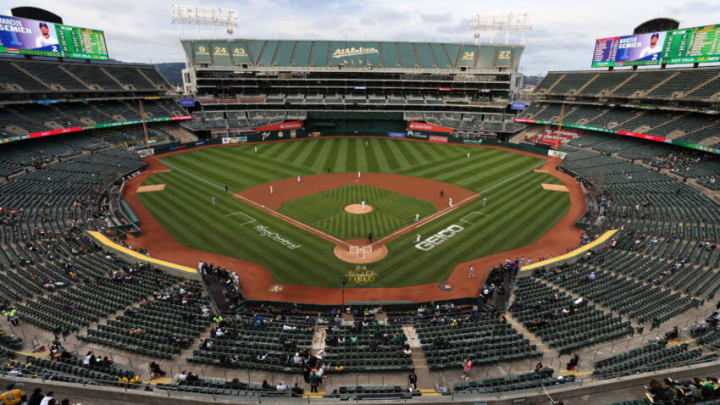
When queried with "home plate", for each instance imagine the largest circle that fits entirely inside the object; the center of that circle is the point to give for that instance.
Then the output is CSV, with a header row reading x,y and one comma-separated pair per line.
x,y
555,187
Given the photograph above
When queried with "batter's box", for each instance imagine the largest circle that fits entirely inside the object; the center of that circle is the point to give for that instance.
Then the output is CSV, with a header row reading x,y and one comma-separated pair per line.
x,y
468,218
248,218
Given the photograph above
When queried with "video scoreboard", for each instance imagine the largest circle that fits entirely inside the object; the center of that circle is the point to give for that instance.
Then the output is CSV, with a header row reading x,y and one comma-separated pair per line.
x,y
693,45
31,37
689,45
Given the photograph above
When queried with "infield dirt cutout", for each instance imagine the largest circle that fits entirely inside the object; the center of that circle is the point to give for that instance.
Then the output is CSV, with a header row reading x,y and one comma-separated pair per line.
x,y
358,209
154,187
360,252
555,187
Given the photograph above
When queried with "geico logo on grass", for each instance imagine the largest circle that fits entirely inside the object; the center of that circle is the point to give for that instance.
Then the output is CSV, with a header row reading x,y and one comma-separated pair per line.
x,y
440,237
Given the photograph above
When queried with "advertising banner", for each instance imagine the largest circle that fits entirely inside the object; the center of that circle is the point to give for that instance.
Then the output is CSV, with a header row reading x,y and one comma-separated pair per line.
x,y
517,105
396,134
234,139
421,126
145,152
187,102
438,139
281,126
625,133
416,135
555,153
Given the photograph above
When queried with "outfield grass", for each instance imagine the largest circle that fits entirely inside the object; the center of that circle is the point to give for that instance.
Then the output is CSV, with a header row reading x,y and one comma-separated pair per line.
x,y
518,210
326,211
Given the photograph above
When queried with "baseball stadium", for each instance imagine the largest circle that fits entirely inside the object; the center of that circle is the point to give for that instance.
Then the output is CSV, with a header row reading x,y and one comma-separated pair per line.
x,y
329,220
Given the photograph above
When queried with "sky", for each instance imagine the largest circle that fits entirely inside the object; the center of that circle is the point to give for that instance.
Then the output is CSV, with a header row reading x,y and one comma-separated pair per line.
x,y
562,38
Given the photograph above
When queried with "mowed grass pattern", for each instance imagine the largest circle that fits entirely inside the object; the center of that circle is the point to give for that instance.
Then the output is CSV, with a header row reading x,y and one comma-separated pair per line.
x,y
326,211
518,210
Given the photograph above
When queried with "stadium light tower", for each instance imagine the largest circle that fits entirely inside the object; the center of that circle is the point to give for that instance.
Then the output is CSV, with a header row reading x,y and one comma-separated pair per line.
x,y
214,17
500,22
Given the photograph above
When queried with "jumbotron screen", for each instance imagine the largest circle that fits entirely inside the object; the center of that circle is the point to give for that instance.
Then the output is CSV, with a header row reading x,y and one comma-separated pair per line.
x,y
693,45
689,45
31,37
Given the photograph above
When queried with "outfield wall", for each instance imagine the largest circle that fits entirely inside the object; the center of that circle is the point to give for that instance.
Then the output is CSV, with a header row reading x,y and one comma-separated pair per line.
x,y
399,133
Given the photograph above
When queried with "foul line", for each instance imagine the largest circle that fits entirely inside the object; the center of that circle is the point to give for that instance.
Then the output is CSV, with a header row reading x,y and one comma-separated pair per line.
x,y
262,207
292,221
206,181
425,220
382,241
450,209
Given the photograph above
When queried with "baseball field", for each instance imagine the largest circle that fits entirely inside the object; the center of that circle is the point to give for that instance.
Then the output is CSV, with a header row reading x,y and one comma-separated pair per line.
x,y
499,203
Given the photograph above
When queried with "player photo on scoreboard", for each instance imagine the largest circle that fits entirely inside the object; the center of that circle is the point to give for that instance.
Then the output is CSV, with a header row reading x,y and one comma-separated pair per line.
x,y
22,34
642,47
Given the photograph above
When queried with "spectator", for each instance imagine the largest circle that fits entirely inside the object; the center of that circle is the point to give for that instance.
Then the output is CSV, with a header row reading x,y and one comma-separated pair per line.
x,y
47,398
36,397
12,396
573,362
297,391
315,380
412,378
467,367
657,392
156,371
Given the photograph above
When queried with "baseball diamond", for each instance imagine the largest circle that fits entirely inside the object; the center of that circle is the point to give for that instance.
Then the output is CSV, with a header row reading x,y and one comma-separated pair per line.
x,y
400,179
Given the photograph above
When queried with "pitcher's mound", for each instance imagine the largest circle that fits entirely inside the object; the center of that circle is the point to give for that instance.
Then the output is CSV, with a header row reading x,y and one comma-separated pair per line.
x,y
358,209
360,254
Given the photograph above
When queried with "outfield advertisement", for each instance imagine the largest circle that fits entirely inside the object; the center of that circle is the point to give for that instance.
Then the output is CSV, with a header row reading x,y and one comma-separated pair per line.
x,y
59,131
421,126
234,139
280,127
624,133
438,139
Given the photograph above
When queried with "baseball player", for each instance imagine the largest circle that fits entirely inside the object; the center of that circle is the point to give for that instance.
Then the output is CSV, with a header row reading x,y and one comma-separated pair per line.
x,y
271,189
450,202
213,200
417,217
298,179
417,238
484,201
471,272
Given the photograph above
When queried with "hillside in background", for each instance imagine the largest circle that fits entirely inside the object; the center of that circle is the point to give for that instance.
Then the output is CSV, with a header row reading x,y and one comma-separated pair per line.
x,y
172,71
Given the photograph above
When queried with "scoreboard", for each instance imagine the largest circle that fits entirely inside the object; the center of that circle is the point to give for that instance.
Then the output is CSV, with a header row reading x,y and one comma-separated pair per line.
x,y
31,37
689,45
82,43
693,45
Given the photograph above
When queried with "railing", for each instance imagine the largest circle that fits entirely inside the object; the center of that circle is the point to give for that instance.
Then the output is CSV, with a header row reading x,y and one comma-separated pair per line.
x,y
582,387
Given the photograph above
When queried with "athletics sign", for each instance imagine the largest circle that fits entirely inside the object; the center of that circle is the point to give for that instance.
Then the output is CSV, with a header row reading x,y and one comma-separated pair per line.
x,y
361,275
440,237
